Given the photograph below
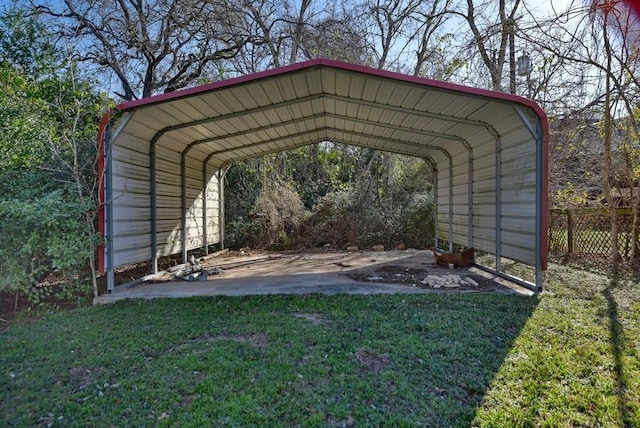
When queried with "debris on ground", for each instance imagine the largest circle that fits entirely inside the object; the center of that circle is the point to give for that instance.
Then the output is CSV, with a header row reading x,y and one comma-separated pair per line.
x,y
343,264
191,271
430,276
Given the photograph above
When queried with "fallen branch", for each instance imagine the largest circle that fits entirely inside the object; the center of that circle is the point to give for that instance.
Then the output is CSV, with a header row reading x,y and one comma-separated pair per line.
x,y
190,271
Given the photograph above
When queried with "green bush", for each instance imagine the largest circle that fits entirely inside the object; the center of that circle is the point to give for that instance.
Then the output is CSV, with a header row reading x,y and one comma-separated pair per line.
x,y
331,221
240,232
342,219
41,236
417,221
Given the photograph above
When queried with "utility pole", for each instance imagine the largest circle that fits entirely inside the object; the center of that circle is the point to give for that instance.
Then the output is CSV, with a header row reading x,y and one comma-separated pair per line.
x,y
512,55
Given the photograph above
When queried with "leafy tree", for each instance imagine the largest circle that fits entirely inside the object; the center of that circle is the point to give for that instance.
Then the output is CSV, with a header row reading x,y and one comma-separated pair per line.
x,y
25,57
23,130
25,45
47,153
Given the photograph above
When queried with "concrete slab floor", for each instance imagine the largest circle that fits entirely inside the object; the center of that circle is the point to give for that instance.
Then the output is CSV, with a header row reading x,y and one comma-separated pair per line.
x,y
304,273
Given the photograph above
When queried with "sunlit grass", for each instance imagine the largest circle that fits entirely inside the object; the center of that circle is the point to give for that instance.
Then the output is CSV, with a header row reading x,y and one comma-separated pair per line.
x,y
575,362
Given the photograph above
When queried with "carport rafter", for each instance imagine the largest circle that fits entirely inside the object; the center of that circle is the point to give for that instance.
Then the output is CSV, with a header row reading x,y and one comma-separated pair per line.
x,y
303,119
444,118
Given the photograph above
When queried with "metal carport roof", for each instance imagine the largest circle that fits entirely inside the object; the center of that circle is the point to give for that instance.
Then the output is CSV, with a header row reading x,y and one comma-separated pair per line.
x,y
164,157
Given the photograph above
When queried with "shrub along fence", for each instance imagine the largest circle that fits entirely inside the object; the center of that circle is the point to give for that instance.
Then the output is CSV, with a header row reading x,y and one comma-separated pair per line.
x,y
588,231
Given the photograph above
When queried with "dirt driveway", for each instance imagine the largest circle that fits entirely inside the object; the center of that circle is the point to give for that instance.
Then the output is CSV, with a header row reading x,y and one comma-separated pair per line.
x,y
362,272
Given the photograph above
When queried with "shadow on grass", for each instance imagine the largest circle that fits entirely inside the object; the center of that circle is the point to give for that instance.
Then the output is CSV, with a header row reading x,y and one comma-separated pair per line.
x,y
618,340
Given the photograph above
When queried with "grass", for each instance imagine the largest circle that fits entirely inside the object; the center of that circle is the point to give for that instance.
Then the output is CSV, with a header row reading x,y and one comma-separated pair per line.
x,y
568,357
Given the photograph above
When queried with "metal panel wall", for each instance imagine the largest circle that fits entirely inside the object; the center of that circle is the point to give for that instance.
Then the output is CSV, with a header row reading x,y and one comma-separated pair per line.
x,y
516,212
212,212
484,196
131,201
168,194
519,196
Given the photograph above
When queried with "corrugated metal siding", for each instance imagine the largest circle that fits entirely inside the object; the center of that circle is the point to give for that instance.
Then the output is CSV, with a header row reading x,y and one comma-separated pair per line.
x,y
484,193
518,191
131,200
519,173
132,205
212,218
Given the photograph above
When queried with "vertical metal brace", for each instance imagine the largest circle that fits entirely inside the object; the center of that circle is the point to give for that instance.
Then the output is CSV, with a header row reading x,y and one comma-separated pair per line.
x,y
222,172
205,199
154,208
536,131
154,202
450,203
498,204
539,213
470,201
109,137
183,205
434,168
108,190
220,209
183,198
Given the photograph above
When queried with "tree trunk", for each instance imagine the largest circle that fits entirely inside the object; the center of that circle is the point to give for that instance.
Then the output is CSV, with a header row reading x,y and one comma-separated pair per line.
x,y
494,62
296,37
633,256
606,161
512,56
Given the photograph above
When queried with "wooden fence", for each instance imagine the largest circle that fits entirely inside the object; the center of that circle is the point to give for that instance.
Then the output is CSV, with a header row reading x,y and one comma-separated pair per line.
x,y
588,231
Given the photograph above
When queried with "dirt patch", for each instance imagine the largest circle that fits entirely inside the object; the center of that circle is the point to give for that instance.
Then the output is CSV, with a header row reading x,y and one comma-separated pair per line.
x,y
372,360
424,277
14,305
259,340
81,376
315,319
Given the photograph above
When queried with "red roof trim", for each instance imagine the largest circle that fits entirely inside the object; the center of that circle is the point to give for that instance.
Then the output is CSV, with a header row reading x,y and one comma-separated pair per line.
x,y
104,122
183,93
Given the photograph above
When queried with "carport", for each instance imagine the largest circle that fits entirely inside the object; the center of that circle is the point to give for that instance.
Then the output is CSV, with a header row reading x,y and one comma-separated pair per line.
x,y
163,158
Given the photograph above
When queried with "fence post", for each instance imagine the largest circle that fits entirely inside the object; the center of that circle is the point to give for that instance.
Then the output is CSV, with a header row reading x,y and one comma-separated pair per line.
x,y
569,232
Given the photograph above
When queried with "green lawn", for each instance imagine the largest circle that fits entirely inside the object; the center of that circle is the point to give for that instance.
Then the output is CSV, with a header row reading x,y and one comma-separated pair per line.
x,y
569,357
